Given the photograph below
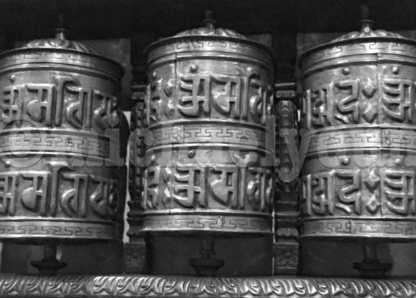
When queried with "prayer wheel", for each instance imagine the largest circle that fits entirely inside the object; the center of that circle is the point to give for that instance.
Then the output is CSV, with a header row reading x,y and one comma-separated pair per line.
x,y
60,143
358,143
209,138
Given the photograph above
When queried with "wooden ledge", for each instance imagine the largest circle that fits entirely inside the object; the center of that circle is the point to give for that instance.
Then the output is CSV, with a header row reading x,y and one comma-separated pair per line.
x,y
180,286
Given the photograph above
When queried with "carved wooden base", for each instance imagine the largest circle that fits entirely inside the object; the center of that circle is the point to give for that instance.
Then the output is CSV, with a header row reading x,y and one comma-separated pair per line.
x,y
138,256
135,257
180,286
286,258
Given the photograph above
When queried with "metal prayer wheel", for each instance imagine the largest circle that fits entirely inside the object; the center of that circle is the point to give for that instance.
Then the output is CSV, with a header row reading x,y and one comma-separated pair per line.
x,y
208,148
358,116
208,135
60,143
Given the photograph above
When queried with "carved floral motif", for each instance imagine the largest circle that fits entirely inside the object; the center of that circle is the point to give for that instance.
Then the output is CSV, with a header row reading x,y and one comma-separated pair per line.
x,y
177,286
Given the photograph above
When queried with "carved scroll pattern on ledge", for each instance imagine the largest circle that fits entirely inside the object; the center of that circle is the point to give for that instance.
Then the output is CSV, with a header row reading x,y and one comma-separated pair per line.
x,y
174,286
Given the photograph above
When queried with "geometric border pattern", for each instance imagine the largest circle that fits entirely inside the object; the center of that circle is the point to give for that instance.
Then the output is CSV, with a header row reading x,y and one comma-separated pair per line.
x,y
179,286
228,134
395,229
56,229
207,222
360,138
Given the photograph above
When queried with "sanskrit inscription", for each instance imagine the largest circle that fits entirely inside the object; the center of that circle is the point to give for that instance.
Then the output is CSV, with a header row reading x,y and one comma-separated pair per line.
x,y
64,103
243,96
359,192
57,191
190,186
359,101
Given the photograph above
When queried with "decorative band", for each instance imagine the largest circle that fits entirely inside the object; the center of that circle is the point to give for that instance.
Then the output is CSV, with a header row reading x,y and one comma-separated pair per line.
x,y
205,222
56,229
392,229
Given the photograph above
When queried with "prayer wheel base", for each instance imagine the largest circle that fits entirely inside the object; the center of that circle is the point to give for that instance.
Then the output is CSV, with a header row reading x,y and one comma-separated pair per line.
x,y
49,265
205,266
371,267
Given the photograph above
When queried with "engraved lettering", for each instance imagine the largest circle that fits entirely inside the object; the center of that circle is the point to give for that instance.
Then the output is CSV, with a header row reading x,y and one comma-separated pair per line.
x,y
226,91
99,197
74,200
62,82
8,183
398,95
40,102
34,197
347,104
321,195
261,103
257,190
224,186
398,191
199,87
321,104
246,78
11,103
54,181
189,186
79,113
157,187
158,99
349,193
107,114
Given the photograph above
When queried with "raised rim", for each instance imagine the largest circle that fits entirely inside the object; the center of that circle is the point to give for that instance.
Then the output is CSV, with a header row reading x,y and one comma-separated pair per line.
x,y
66,51
317,48
174,39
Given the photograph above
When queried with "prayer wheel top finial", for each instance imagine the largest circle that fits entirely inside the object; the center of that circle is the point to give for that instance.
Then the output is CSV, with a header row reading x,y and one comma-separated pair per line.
x,y
61,31
209,20
366,23
366,30
60,40
209,29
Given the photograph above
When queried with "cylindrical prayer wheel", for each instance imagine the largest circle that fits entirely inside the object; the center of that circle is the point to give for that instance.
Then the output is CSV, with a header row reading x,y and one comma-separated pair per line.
x,y
208,134
359,121
60,143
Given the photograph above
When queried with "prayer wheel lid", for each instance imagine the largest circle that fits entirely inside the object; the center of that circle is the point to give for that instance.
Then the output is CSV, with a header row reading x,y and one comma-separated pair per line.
x,y
59,42
76,53
367,32
365,35
209,33
210,30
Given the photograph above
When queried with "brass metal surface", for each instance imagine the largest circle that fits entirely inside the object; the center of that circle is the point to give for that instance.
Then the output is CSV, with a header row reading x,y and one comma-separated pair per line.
x,y
208,162
60,143
358,121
